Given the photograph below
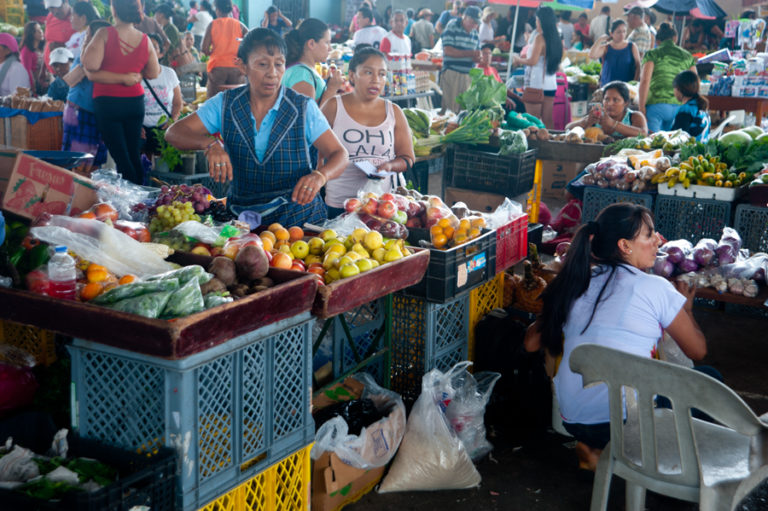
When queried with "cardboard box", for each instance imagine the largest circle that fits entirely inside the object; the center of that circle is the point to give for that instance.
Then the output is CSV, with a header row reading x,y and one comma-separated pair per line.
x,y
30,187
43,135
485,202
555,175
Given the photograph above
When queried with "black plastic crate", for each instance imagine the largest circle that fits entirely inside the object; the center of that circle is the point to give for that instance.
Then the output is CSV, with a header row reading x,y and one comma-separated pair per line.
x,y
691,218
596,198
482,168
142,481
456,270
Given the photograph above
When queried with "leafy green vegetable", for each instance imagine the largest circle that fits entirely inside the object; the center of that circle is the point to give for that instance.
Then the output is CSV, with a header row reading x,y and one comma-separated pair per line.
x,y
591,68
622,143
484,92
512,142
475,128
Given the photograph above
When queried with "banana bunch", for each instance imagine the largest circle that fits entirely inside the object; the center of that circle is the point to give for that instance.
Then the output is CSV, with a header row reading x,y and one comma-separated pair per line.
x,y
419,121
700,170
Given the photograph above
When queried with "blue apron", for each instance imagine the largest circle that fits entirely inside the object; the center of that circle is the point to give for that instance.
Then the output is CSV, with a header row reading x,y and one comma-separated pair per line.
x,y
266,187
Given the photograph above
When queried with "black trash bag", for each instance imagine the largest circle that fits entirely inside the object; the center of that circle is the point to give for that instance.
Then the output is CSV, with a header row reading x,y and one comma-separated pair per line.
x,y
357,413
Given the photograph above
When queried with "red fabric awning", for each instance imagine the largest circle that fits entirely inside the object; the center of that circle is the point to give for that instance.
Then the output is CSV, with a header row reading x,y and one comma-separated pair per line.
x,y
523,3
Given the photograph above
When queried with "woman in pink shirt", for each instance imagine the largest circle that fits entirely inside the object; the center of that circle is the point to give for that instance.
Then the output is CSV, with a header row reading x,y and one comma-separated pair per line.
x,y
32,44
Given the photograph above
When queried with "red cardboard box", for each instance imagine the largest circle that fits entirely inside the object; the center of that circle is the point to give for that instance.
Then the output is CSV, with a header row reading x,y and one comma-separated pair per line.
x,y
30,187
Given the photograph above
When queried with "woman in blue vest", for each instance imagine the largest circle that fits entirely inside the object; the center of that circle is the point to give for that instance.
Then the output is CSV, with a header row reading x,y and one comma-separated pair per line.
x,y
267,131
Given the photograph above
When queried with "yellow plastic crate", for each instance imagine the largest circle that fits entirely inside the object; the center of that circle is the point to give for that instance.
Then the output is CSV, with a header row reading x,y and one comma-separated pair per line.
x,y
12,11
482,300
285,486
37,342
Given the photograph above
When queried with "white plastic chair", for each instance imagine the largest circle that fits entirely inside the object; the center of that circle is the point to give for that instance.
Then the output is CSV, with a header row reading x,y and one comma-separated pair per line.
x,y
666,450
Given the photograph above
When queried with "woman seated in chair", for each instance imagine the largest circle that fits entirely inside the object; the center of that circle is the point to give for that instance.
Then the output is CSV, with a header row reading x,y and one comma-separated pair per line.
x,y
603,295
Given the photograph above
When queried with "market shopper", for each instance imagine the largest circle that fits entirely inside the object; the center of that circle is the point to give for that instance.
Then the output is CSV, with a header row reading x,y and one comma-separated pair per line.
x,y
567,32
58,28
692,116
276,21
83,13
461,50
640,34
60,60
81,132
32,48
423,32
221,43
162,101
582,41
176,55
541,64
310,44
126,54
620,58
267,130
12,72
200,21
615,117
371,128
603,295
396,42
455,13
368,32
600,24
656,97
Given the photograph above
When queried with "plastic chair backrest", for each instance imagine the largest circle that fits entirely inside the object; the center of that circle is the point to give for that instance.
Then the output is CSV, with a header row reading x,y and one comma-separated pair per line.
x,y
684,387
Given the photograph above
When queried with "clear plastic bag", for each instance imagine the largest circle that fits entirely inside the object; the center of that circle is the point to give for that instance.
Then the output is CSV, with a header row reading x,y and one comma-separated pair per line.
x,y
101,244
505,213
376,444
123,194
186,300
431,455
466,411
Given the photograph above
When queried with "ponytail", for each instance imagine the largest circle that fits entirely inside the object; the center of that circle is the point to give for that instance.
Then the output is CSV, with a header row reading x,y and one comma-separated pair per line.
x,y
595,243
701,102
296,40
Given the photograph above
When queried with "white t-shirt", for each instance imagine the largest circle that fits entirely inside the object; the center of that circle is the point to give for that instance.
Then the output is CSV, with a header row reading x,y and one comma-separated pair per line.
x,y
633,310
485,32
163,86
566,31
370,35
75,43
202,19
391,43
17,76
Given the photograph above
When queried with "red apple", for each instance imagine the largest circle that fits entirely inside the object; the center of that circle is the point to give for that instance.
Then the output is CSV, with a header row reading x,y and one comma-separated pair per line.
x,y
371,206
387,209
352,205
216,251
298,265
401,203
387,196
414,223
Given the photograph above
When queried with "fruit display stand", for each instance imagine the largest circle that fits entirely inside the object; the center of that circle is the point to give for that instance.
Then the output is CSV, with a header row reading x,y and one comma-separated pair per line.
x,y
596,198
230,411
173,339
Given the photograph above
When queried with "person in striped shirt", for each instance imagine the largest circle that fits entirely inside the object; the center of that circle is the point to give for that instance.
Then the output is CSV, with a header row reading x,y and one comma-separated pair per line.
x,y
461,50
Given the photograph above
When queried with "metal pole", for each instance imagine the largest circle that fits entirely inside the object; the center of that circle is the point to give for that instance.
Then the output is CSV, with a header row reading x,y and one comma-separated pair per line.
x,y
680,38
512,42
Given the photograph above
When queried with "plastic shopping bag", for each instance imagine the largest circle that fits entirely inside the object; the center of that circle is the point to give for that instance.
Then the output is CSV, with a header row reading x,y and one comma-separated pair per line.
x,y
432,456
466,411
377,443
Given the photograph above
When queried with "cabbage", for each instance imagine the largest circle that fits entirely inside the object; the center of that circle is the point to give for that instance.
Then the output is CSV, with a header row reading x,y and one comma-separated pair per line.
x,y
737,137
513,142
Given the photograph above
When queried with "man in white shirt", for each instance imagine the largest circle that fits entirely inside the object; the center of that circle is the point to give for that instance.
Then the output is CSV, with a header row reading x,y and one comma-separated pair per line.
x,y
368,33
396,42
601,24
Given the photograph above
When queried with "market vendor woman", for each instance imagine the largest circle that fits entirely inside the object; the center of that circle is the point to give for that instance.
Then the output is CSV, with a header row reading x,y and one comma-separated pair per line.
x,y
267,131
615,117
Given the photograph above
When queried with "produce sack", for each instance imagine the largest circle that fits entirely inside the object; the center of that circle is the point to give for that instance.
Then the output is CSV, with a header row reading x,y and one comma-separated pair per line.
x,y
102,244
466,411
186,300
432,456
149,305
376,444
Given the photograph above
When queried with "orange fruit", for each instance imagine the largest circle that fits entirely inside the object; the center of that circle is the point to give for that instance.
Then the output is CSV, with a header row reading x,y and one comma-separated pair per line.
x,y
435,230
474,232
282,234
296,233
268,235
439,241
282,260
464,225
88,214
478,222
460,238
91,291
126,279
268,243
444,222
96,273
448,231
274,227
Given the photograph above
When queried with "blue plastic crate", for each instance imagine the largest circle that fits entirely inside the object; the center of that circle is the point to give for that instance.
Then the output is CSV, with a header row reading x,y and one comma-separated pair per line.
x,y
691,218
230,411
751,222
219,190
595,199
425,336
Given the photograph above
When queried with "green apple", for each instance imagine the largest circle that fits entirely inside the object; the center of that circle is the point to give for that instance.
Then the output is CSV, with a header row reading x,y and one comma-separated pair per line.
x,y
332,275
373,240
328,234
358,234
374,263
358,248
343,261
315,246
300,249
349,270
353,255
393,254
364,265
379,254
330,261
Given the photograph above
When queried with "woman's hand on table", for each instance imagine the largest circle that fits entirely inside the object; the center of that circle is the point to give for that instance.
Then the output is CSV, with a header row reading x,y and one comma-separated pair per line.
x,y
688,291
219,165
308,186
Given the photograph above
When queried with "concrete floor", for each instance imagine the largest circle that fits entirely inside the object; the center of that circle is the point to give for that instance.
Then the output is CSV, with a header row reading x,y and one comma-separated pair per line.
x,y
538,470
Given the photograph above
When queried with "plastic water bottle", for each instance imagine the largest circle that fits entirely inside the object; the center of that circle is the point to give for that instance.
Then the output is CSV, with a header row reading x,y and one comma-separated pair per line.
x,y
62,274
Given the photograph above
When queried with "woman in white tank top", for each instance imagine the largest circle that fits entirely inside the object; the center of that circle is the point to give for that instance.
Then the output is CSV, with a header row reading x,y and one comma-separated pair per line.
x,y
371,128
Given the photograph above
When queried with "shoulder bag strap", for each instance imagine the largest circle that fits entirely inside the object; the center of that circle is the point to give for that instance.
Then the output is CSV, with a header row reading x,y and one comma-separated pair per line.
x,y
154,95
7,67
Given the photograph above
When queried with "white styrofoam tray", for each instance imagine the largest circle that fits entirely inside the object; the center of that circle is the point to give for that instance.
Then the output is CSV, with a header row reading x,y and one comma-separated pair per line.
x,y
703,192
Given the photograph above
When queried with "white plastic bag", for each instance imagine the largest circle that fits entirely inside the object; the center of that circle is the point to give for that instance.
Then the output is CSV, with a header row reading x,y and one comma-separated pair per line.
x,y
431,456
376,444
466,411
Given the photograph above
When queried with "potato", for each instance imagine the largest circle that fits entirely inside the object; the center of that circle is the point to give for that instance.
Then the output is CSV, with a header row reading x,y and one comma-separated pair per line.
x,y
263,281
238,290
542,134
213,286
224,270
251,263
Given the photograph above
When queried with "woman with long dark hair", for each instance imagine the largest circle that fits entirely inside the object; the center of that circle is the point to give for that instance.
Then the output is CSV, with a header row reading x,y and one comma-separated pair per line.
x,y
118,96
83,13
32,46
692,116
309,44
603,295
541,65
620,58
